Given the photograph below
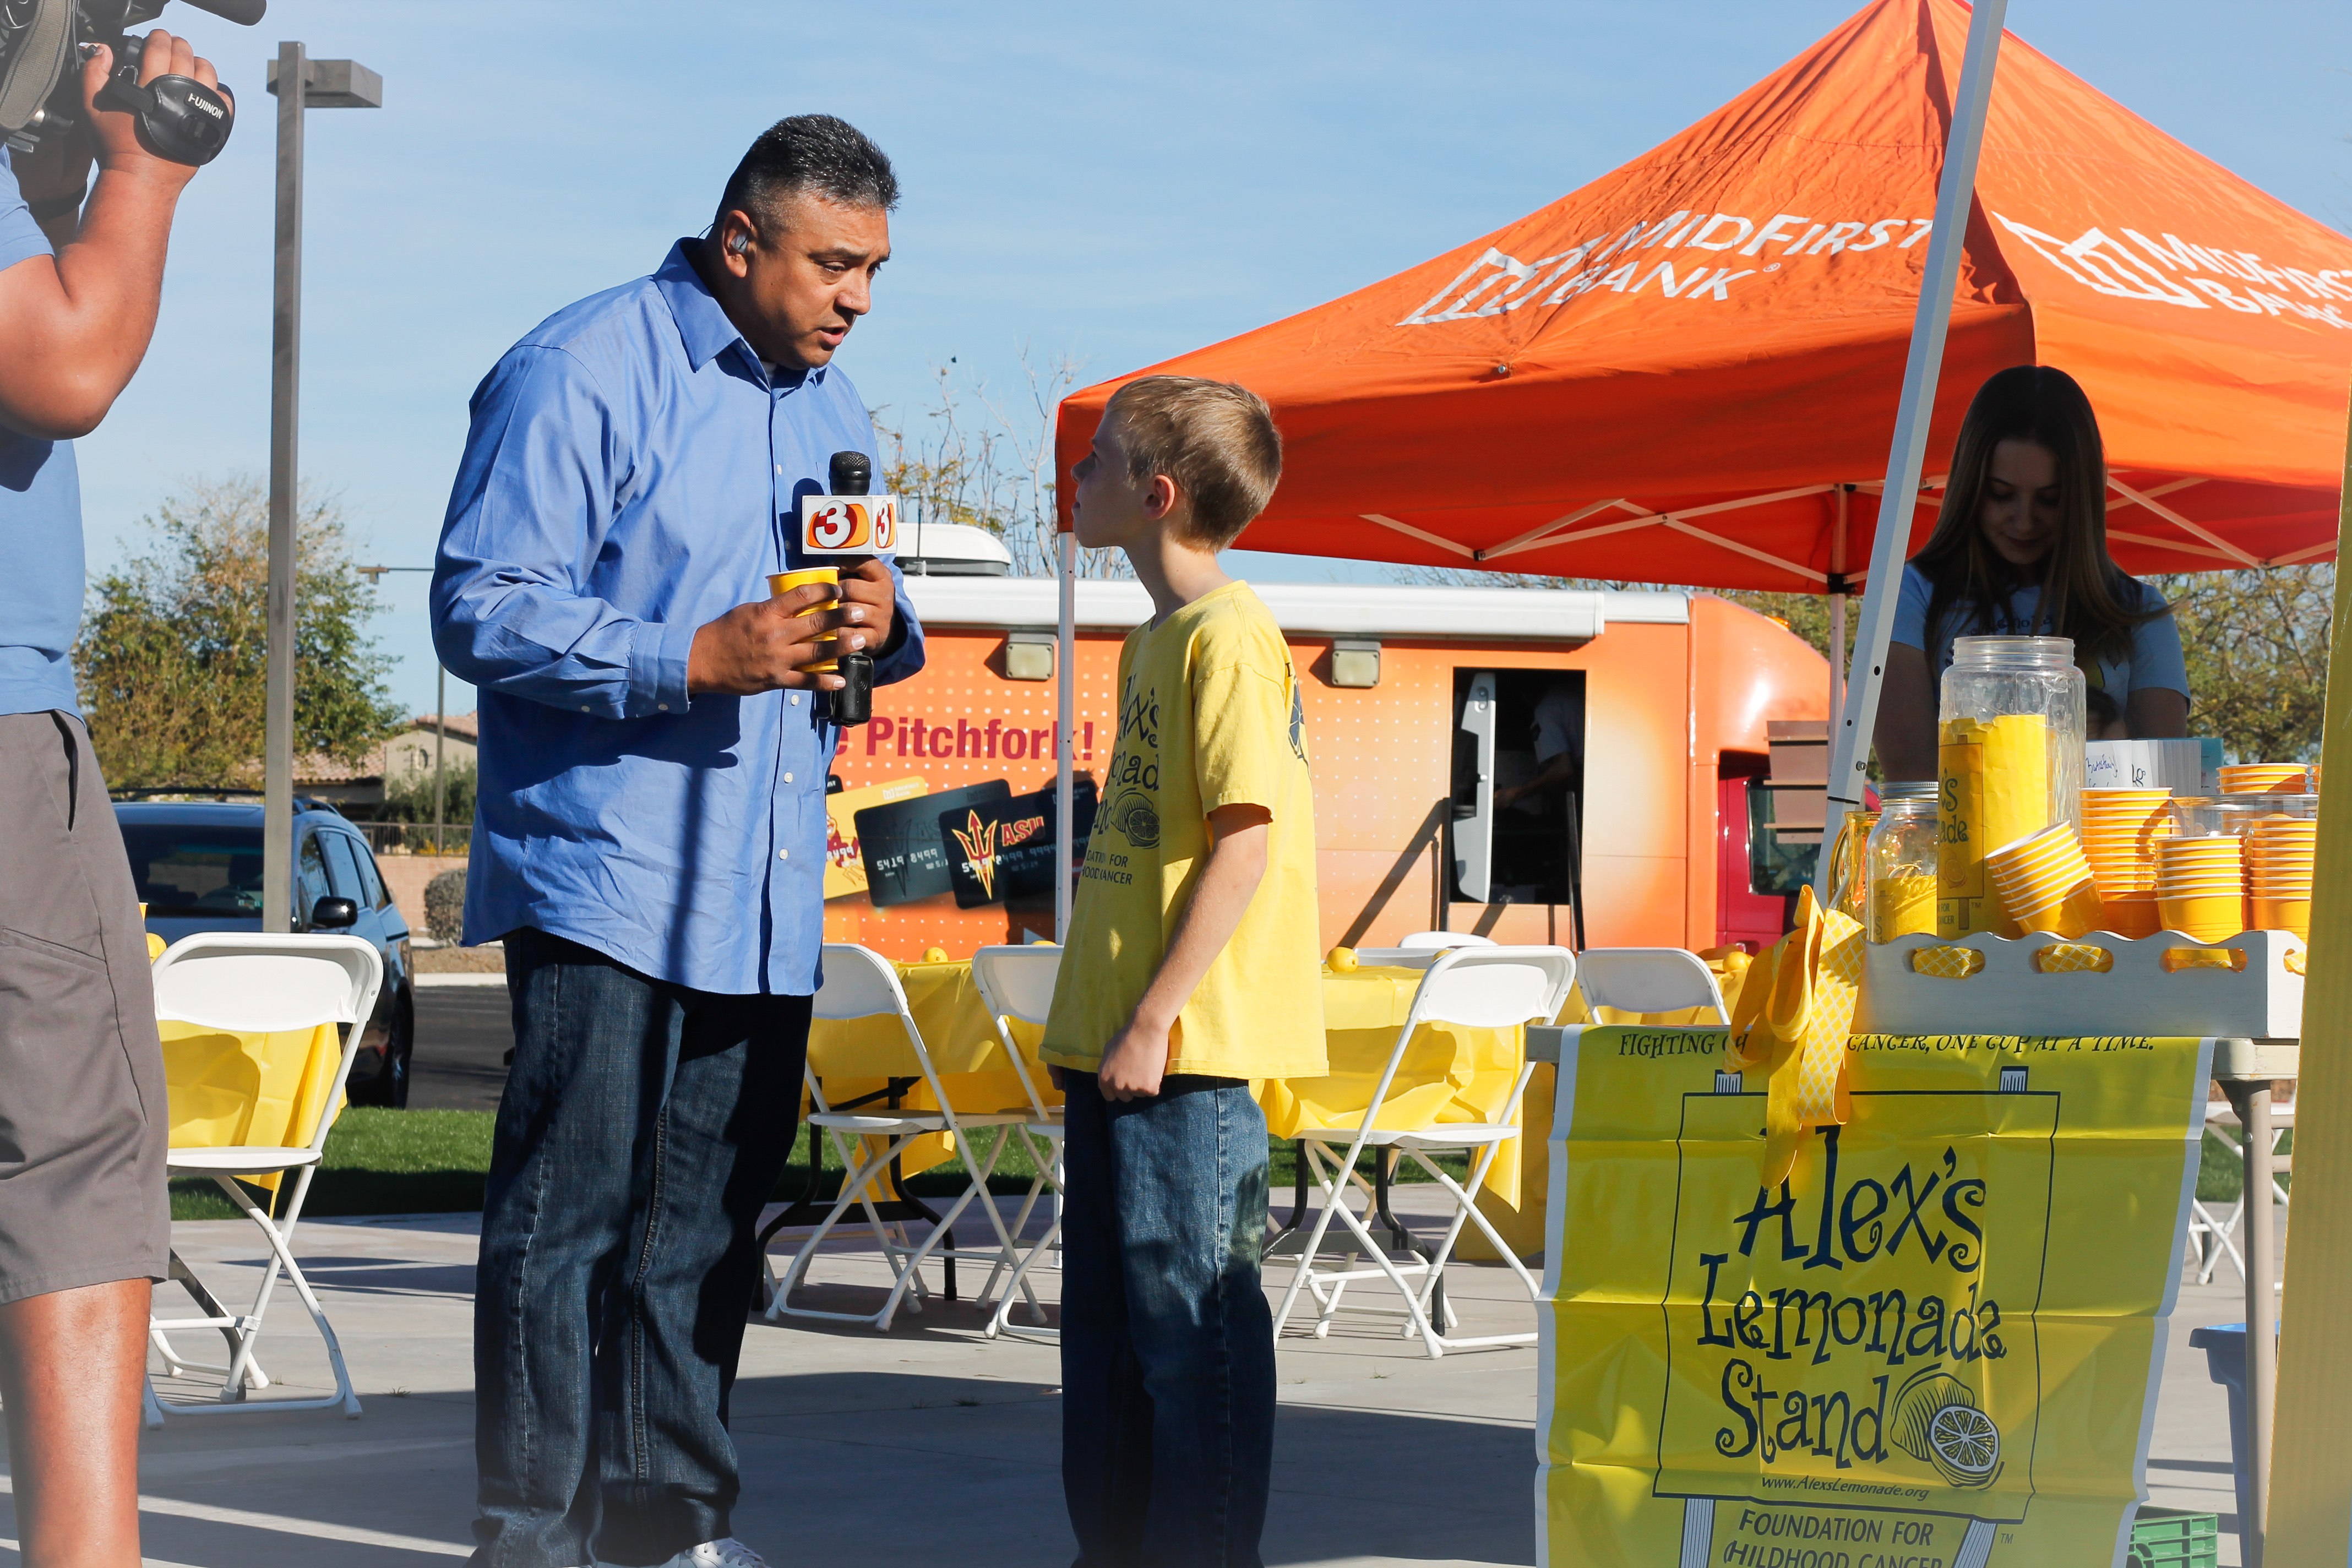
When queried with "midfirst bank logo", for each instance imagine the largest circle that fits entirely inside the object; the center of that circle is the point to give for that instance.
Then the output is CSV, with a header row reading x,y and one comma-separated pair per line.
x,y
1660,254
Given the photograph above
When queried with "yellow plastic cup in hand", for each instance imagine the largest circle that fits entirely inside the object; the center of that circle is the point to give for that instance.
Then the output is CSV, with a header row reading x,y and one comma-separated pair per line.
x,y
782,583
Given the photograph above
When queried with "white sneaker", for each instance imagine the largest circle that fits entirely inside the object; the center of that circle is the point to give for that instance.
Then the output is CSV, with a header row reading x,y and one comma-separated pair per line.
x,y
728,1553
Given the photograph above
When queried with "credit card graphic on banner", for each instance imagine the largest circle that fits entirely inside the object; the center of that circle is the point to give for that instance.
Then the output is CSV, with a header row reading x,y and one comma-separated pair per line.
x,y
905,852
1934,1343
1006,850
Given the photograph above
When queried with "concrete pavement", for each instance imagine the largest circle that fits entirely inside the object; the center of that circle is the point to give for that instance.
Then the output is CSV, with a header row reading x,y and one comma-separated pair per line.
x,y
908,1447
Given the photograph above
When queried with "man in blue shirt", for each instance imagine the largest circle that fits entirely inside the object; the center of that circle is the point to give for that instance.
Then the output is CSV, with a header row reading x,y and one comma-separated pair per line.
x,y
651,835
85,1218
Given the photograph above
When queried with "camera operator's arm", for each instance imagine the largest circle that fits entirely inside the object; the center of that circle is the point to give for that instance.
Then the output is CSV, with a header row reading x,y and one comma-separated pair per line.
x,y
529,519
76,325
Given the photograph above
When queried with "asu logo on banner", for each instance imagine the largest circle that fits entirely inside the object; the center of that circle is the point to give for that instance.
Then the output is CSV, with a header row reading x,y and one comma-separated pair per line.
x,y
849,525
1934,1343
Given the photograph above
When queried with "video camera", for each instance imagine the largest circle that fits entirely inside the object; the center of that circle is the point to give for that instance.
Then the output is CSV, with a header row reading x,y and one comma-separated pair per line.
x,y
41,94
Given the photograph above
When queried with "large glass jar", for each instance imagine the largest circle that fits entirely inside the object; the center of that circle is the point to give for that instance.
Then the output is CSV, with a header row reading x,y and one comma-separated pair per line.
x,y
1849,888
2011,757
1900,868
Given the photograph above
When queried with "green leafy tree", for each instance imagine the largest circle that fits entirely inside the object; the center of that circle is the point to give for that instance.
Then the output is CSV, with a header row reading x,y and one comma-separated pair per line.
x,y
409,797
172,660
2256,643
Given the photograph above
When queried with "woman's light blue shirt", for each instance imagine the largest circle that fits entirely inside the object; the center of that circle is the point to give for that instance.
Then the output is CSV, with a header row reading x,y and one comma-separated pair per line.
x,y
2153,660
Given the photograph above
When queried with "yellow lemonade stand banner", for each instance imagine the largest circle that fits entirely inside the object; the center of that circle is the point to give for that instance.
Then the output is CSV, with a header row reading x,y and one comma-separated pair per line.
x,y
1936,1345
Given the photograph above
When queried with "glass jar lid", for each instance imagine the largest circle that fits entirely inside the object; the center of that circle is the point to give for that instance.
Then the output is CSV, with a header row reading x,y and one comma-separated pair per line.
x,y
2013,653
1906,789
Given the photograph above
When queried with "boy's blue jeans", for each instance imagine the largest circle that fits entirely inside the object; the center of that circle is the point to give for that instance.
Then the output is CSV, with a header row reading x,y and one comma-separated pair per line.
x,y
1167,1340
642,1128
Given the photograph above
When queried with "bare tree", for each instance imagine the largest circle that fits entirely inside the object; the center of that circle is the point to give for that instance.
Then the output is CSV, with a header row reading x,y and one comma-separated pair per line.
x,y
973,457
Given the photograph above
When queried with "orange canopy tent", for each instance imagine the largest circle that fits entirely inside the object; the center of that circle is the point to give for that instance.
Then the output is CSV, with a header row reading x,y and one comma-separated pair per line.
x,y
1686,371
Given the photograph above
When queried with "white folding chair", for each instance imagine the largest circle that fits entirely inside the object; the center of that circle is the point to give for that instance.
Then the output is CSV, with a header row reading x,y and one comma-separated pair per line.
x,y
1647,980
1486,987
249,983
2216,1236
1438,941
861,983
1016,984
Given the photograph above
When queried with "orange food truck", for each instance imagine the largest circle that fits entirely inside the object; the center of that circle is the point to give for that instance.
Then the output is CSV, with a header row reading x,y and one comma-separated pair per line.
x,y
1420,705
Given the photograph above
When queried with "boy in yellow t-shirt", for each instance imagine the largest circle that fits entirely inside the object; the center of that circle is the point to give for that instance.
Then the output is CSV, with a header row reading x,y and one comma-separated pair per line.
x,y
1190,968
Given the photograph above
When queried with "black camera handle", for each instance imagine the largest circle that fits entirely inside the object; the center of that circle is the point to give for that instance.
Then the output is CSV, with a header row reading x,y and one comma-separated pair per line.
x,y
179,117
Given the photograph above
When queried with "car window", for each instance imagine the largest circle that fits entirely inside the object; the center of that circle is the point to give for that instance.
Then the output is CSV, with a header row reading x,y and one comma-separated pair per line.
x,y
311,879
343,869
183,870
378,898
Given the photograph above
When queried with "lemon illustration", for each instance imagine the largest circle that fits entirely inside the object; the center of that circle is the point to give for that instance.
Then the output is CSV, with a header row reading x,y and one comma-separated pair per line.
x,y
1966,1441
1938,1422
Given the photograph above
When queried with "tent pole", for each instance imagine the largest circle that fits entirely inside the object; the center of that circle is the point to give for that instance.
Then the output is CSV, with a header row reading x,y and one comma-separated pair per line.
x,y
1905,457
1065,657
1837,602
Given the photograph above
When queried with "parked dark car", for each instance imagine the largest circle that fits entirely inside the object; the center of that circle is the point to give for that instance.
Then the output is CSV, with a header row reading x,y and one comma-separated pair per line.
x,y
198,866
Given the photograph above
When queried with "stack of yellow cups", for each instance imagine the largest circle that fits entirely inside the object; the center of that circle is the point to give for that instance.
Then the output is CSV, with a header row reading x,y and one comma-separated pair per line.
x,y
2045,885
2265,778
2201,886
2120,829
2278,873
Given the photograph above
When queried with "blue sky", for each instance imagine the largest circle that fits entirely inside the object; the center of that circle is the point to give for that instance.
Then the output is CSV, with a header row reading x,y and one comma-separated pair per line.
x,y
1114,183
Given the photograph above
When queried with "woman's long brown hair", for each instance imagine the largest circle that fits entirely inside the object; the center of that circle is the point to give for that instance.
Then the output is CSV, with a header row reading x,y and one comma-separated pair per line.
x,y
2082,587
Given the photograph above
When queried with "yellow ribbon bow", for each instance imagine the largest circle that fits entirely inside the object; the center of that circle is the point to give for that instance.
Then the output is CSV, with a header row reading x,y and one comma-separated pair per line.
x,y
1791,1020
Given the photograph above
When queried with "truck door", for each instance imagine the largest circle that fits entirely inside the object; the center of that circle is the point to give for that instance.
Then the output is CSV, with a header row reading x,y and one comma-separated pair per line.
x,y
1474,797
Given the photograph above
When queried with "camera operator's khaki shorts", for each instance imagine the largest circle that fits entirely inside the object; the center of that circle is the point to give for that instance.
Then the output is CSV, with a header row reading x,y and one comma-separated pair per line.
x,y
83,1195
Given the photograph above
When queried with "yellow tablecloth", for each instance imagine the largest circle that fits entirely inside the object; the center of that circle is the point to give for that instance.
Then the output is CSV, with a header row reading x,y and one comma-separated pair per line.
x,y
1448,1074
229,1090
858,1056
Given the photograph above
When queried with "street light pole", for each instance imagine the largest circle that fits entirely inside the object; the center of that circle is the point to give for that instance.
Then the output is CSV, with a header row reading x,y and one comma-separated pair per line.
x,y
300,83
440,738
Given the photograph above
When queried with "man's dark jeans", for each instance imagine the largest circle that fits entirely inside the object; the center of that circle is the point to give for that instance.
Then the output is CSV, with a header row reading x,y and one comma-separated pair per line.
x,y
642,1128
1167,1340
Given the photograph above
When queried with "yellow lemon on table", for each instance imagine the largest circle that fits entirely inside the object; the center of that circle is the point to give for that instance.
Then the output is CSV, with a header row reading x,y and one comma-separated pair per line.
x,y
1340,961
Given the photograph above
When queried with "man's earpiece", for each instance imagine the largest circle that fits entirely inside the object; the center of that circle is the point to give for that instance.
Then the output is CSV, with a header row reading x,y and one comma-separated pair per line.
x,y
739,244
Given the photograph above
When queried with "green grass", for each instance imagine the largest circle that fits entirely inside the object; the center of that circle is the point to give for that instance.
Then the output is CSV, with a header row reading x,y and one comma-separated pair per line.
x,y
2221,1176
433,1162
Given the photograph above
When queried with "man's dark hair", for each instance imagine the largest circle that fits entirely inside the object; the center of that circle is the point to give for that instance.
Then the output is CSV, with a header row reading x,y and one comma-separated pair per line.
x,y
809,154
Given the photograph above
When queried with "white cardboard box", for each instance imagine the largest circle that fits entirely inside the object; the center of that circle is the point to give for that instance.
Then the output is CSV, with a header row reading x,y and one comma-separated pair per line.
x,y
2137,996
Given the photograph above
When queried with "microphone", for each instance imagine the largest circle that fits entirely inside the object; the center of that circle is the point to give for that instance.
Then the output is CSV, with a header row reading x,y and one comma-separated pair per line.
x,y
853,526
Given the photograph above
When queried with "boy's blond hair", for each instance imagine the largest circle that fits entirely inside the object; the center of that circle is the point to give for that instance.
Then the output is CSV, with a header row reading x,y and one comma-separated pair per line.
x,y
1215,439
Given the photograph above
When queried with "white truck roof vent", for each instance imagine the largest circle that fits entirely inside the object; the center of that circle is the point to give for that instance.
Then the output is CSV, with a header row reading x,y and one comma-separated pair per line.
x,y
950,550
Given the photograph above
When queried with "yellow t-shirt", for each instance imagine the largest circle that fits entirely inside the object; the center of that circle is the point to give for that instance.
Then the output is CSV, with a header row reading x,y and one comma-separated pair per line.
x,y
1209,716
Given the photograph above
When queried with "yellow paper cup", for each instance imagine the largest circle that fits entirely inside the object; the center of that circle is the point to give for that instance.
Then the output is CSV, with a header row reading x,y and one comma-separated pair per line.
x,y
2263,778
2078,913
785,582
2133,914
2281,915
2206,917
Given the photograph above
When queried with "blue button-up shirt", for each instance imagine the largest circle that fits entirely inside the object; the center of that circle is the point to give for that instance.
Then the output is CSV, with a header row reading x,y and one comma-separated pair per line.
x,y
41,526
632,474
